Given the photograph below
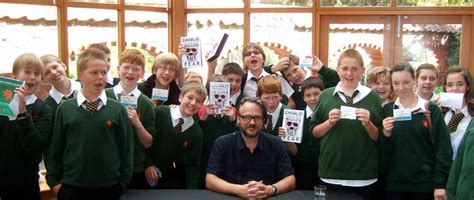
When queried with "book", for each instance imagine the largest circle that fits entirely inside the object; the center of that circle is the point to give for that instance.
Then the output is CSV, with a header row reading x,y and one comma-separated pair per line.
x,y
192,58
7,87
219,95
217,49
293,125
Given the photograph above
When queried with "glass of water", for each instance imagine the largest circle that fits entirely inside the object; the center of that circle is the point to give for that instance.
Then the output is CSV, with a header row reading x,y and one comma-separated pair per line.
x,y
320,192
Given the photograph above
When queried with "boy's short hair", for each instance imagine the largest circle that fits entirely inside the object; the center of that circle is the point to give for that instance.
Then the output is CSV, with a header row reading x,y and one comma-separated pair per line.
x,y
100,46
166,59
192,85
292,60
132,56
269,84
88,55
351,53
27,60
425,66
376,74
312,82
49,58
232,68
191,74
215,78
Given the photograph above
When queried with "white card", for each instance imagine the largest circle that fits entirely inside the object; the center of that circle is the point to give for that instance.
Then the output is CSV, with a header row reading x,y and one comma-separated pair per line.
x,y
159,94
129,101
306,61
348,112
452,100
402,114
293,125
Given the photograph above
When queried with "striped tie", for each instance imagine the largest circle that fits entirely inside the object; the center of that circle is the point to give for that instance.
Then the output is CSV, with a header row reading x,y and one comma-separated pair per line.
x,y
269,126
350,99
179,127
454,121
92,106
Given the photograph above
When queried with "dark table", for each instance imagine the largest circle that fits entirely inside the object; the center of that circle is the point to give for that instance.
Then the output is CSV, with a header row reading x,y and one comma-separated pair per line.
x,y
210,195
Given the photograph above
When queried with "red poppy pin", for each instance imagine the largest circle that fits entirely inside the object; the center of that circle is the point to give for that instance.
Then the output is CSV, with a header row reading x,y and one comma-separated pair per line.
x,y
108,123
185,143
425,123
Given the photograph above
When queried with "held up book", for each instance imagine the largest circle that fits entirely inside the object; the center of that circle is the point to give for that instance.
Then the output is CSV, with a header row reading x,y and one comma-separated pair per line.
x,y
219,95
217,49
293,125
7,87
192,57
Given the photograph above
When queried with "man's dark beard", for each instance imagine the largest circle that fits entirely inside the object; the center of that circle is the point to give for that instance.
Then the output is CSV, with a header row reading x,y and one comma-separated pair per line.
x,y
248,135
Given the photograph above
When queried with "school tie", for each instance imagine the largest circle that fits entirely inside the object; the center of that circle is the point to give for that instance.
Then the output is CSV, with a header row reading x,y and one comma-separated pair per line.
x,y
256,79
70,96
92,106
179,127
268,128
454,121
350,99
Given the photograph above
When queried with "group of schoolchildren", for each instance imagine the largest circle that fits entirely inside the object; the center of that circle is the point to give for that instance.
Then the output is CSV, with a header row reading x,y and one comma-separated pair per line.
x,y
95,147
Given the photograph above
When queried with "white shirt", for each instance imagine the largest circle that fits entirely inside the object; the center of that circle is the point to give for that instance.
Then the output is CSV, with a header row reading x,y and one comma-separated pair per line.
x,y
233,98
275,115
419,105
309,112
176,114
457,135
363,92
110,79
81,99
58,96
250,88
118,89
29,99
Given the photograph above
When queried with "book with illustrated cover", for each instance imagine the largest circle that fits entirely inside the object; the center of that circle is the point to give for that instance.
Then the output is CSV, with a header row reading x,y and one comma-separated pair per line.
x,y
293,125
192,58
7,87
218,47
219,95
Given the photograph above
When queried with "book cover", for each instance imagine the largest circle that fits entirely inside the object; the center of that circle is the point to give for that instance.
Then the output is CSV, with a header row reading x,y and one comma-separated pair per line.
x,y
219,95
192,58
217,49
293,125
7,87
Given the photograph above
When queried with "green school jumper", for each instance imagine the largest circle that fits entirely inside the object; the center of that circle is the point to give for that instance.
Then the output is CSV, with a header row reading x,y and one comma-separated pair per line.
x,y
461,176
146,115
91,150
170,149
308,149
347,152
212,128
53,105
22,143
414,163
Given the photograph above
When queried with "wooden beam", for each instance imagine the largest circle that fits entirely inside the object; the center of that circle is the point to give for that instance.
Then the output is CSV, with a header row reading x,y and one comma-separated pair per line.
x,y
121,27
466,43
63,46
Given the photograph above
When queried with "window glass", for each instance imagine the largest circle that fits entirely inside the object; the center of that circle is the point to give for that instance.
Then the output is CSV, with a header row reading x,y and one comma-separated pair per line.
x,y
215,4
282,3
354,3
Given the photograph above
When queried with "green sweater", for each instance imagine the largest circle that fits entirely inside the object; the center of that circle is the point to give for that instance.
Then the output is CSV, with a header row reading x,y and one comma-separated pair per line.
x,y
52,104
347,152
147,117
461,178
91,150
308,149
182,149
22,143
279,121
413,164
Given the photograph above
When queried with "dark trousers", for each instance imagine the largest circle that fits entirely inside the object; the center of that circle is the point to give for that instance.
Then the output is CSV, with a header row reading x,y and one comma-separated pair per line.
x,y
391,195
306,177
366,192
175,178
138,182
29,191
67,192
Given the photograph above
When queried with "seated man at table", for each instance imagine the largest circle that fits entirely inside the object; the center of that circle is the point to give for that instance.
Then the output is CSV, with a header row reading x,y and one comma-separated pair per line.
x,y
248,162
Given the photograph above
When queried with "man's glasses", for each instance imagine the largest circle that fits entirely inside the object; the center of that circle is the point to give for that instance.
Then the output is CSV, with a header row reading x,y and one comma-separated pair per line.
x,y
248,118
249,53
169,70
